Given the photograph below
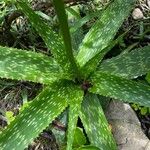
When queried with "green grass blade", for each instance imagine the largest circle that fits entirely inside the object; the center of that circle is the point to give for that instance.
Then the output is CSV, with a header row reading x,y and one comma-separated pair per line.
x,y
81,21
35,117
104,30
129,65
51,39
95,124
60,10
73,12
28,66
120,88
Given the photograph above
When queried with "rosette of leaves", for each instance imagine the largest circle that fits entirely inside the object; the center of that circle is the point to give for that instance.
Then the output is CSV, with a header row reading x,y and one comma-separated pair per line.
x,y
74,82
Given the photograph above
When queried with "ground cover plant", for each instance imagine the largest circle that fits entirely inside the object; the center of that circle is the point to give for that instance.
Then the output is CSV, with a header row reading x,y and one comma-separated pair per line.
x,y
73,82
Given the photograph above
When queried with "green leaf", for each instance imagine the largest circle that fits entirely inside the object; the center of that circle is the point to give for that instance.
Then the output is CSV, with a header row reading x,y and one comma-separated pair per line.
x,y
77,38
149,110
79,138
92,64
144,110
87,148
38,115
121,89
80,22
78,35
73,118
10,116
148,77
104,30
51,39
60,10
74,11
95,123
28,66
74,109
128,65
60,135
44,16
104,101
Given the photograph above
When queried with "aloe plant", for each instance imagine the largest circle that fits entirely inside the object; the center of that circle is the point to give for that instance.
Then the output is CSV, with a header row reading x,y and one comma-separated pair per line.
x,y
74,82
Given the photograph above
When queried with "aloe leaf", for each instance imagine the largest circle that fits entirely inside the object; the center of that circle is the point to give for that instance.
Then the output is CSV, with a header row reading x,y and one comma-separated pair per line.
x,y
104,30
77,36
60,10
51,39
92,64
104,101
28,66
120,88
38,115
128,65
30,122
95,123
74,109
73,117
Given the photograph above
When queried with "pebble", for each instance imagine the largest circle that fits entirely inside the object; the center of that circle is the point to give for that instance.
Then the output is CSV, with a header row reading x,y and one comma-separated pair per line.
x,y
137,14
148,3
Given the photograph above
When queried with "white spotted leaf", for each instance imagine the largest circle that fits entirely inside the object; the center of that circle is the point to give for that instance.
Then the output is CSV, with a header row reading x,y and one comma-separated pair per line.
x,y
51,39
129,65
103,31
38,115
74,109
120,88
93,63
95,123
28,66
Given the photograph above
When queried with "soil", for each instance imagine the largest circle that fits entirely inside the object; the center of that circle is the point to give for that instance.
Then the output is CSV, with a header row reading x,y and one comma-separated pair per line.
x,y
145,123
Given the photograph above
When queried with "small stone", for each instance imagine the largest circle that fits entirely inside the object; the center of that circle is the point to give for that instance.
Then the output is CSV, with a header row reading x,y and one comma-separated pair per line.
x,y
148,3
137,14
126,127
